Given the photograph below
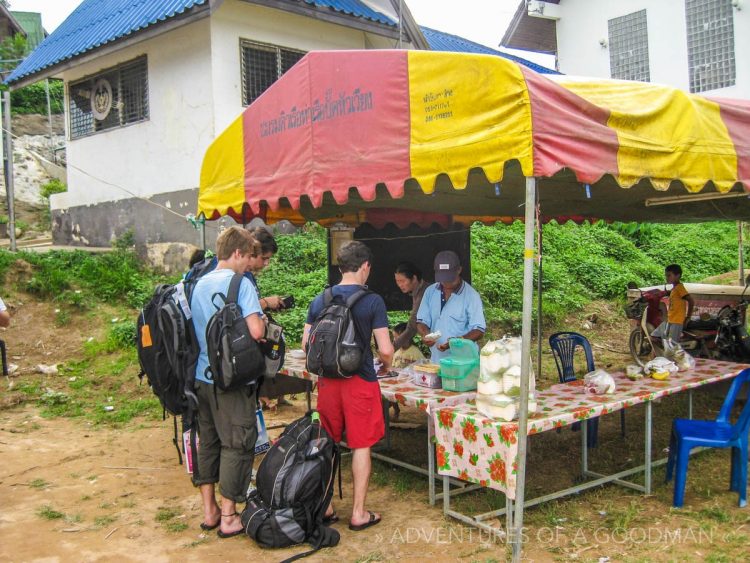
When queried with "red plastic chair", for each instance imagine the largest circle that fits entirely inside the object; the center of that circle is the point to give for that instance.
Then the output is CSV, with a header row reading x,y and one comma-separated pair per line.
x,y
719,433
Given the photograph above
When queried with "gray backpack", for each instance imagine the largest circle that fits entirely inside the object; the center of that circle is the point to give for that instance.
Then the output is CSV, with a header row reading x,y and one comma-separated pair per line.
x,y
332,348
235,358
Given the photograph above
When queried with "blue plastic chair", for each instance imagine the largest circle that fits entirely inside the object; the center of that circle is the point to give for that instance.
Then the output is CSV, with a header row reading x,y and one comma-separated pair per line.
x,y
719,433
563,346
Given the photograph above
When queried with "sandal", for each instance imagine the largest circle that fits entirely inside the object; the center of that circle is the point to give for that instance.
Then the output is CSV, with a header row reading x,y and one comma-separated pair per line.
x,y
207,528
371,522
224,535
330,519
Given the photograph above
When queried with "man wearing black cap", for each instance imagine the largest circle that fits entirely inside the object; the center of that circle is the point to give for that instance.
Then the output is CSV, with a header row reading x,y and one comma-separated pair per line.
x,y
450,308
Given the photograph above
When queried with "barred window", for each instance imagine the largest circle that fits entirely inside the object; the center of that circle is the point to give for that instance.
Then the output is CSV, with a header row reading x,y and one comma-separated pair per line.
x,y
710,42
628,47
114,97
262,65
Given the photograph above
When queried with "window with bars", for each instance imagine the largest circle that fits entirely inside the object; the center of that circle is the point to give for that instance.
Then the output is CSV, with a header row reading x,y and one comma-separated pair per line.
x,y
114,97
262,65
710,42
628,47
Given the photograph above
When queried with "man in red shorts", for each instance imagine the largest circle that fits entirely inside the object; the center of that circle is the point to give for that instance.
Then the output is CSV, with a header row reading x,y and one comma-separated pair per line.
x,y
353,404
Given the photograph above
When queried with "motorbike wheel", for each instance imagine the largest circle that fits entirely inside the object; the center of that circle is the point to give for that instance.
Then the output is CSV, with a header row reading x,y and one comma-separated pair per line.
x,y
640,347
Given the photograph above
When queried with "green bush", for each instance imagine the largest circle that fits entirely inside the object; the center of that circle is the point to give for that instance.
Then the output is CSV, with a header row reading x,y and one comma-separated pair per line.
x,y
122,335
33,98
54,186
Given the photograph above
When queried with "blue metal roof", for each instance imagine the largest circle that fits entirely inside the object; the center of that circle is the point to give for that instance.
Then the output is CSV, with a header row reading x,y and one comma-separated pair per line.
x,y
97,22
353,8
441,41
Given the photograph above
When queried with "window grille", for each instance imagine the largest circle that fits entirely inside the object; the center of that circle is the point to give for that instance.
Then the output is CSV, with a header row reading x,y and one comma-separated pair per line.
x,y
628,47
128,85
710,42
262,65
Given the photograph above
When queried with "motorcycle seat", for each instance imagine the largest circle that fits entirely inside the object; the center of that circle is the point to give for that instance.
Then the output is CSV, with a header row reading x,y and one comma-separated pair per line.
x,y
711,324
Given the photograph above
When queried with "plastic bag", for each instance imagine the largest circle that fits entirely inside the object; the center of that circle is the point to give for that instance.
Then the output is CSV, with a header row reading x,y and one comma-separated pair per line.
x,y
660,368
598,382
673,351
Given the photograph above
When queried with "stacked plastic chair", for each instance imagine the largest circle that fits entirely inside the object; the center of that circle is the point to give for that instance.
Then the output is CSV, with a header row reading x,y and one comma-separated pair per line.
x,y
564,346
720,433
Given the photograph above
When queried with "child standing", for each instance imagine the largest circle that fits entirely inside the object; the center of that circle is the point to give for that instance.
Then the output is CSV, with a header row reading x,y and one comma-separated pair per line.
x,y
680,309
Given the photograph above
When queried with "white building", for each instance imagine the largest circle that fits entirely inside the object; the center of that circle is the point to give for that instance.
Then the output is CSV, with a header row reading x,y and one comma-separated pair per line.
x,y
150,84
700,46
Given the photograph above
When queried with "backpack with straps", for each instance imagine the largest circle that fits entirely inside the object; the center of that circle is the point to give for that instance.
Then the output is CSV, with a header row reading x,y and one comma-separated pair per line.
x,y
235,358
294,486
168,349
332,348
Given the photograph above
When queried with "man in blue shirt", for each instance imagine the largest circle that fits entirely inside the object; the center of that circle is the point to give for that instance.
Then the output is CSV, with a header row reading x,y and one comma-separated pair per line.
x,y
226,419
354,403
450,307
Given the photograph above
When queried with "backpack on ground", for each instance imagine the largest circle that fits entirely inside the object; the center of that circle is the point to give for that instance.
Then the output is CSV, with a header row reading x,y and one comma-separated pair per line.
x,y
294,486
168,349
235,358
332,349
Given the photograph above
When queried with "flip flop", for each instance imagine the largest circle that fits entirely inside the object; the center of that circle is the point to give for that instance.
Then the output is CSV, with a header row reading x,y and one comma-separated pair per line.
x,y
205,527
330,519
223,535
371,522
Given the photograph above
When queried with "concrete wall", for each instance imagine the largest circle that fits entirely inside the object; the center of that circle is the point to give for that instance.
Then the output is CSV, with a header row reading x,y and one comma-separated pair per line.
x,y
584,23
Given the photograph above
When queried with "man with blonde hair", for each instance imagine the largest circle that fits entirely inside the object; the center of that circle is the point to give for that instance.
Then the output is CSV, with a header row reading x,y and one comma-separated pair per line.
x,y
226,419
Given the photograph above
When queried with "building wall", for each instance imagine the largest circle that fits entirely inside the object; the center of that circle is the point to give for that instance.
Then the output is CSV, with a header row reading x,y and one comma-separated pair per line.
x,y
195,91
236,20
161,154
582,25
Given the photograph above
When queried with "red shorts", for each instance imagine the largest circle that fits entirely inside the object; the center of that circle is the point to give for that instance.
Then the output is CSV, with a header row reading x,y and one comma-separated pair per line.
x,y
353,405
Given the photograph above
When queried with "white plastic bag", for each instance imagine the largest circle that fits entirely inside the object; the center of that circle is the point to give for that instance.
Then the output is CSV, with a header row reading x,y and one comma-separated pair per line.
x,y
660,368
673,351
598,382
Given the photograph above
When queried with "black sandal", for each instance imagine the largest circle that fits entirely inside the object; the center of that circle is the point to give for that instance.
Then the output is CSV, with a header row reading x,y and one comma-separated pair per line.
x,y
224,535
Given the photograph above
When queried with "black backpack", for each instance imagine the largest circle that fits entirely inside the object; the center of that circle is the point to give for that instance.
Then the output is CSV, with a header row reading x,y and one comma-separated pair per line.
x,y
168,349
332,349
294,486
235,358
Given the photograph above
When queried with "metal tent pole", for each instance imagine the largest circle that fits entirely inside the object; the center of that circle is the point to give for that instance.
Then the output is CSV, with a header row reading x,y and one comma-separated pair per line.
x,y
9,186
741,253
528,304
539,319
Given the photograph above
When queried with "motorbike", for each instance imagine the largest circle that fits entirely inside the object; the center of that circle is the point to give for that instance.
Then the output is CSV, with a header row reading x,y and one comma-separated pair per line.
x,y
699,339
732,340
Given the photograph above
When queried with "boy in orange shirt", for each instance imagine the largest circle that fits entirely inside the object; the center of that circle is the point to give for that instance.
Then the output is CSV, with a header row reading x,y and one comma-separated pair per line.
x,y
678,313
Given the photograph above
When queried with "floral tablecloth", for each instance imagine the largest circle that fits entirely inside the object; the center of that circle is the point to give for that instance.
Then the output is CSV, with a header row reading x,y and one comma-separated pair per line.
x,y
398,389
474,448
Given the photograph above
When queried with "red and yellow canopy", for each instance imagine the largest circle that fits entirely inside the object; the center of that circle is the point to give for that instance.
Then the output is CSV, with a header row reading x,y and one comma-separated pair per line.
x,y
379,121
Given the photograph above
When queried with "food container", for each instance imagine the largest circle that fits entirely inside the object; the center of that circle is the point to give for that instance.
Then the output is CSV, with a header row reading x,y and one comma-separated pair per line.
x,y
499,407
426,375
490,387
460,370
459,374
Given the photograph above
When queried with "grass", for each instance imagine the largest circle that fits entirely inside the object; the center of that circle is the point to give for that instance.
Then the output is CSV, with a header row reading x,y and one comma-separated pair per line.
x,y
165,514
101,521
48,513
372,556
38,484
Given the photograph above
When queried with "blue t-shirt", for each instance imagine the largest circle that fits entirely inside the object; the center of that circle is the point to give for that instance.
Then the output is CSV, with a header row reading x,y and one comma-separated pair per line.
x,y
368,314
203,308
460,314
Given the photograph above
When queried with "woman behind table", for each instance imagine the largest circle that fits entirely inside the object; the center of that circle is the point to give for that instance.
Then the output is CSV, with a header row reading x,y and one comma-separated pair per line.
x,y
409,280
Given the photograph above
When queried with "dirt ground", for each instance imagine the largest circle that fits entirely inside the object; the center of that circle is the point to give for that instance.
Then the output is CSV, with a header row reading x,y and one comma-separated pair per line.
x,y
71,490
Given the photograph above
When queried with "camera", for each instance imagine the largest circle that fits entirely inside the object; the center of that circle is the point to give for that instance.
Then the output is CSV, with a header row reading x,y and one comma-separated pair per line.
x,y
287,302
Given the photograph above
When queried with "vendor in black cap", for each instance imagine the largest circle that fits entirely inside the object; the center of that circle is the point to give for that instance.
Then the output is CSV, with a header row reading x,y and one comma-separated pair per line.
x,y
450,308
